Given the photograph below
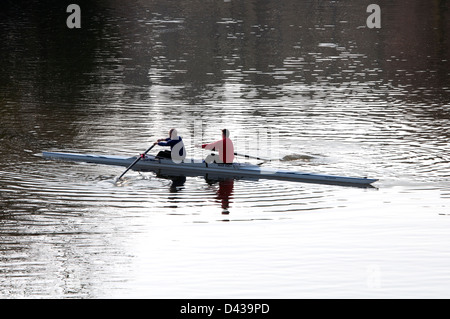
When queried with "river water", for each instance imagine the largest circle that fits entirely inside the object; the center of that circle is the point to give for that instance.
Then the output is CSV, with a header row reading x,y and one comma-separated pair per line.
x,y
304,83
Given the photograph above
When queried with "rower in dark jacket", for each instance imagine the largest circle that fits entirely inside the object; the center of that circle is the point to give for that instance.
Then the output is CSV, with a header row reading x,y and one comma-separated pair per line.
x,y
177,151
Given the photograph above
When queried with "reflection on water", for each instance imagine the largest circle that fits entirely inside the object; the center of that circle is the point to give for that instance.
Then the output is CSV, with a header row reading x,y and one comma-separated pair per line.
x,y
337,98
224,193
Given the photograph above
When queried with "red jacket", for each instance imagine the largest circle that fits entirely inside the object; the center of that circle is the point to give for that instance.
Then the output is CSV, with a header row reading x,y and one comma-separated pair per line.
x,y
224,147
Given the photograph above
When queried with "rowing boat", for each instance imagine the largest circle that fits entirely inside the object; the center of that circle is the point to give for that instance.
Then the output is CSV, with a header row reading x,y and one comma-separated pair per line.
x,y
199,168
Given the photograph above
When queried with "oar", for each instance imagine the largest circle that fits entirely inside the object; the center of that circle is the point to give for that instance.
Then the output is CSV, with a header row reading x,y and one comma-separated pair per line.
x,y
254,157
244,155
137,160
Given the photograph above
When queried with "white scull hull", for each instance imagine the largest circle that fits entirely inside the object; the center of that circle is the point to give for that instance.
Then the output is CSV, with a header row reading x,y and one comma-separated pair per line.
x,y
235,170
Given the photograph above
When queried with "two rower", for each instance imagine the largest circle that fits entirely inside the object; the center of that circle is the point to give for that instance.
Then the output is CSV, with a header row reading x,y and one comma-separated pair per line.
x,y
177,151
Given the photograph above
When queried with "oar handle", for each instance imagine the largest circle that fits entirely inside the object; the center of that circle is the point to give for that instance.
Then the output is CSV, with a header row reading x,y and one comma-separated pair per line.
x,y
149,149
137,160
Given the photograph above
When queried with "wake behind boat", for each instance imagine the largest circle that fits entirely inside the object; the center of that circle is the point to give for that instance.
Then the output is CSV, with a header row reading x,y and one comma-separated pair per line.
x,y
213,170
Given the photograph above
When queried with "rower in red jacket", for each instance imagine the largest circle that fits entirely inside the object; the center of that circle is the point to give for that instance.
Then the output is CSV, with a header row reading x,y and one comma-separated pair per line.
x,y
224,147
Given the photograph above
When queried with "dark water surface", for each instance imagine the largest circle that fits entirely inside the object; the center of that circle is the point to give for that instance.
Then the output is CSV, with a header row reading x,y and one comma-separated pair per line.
x,y
305,83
